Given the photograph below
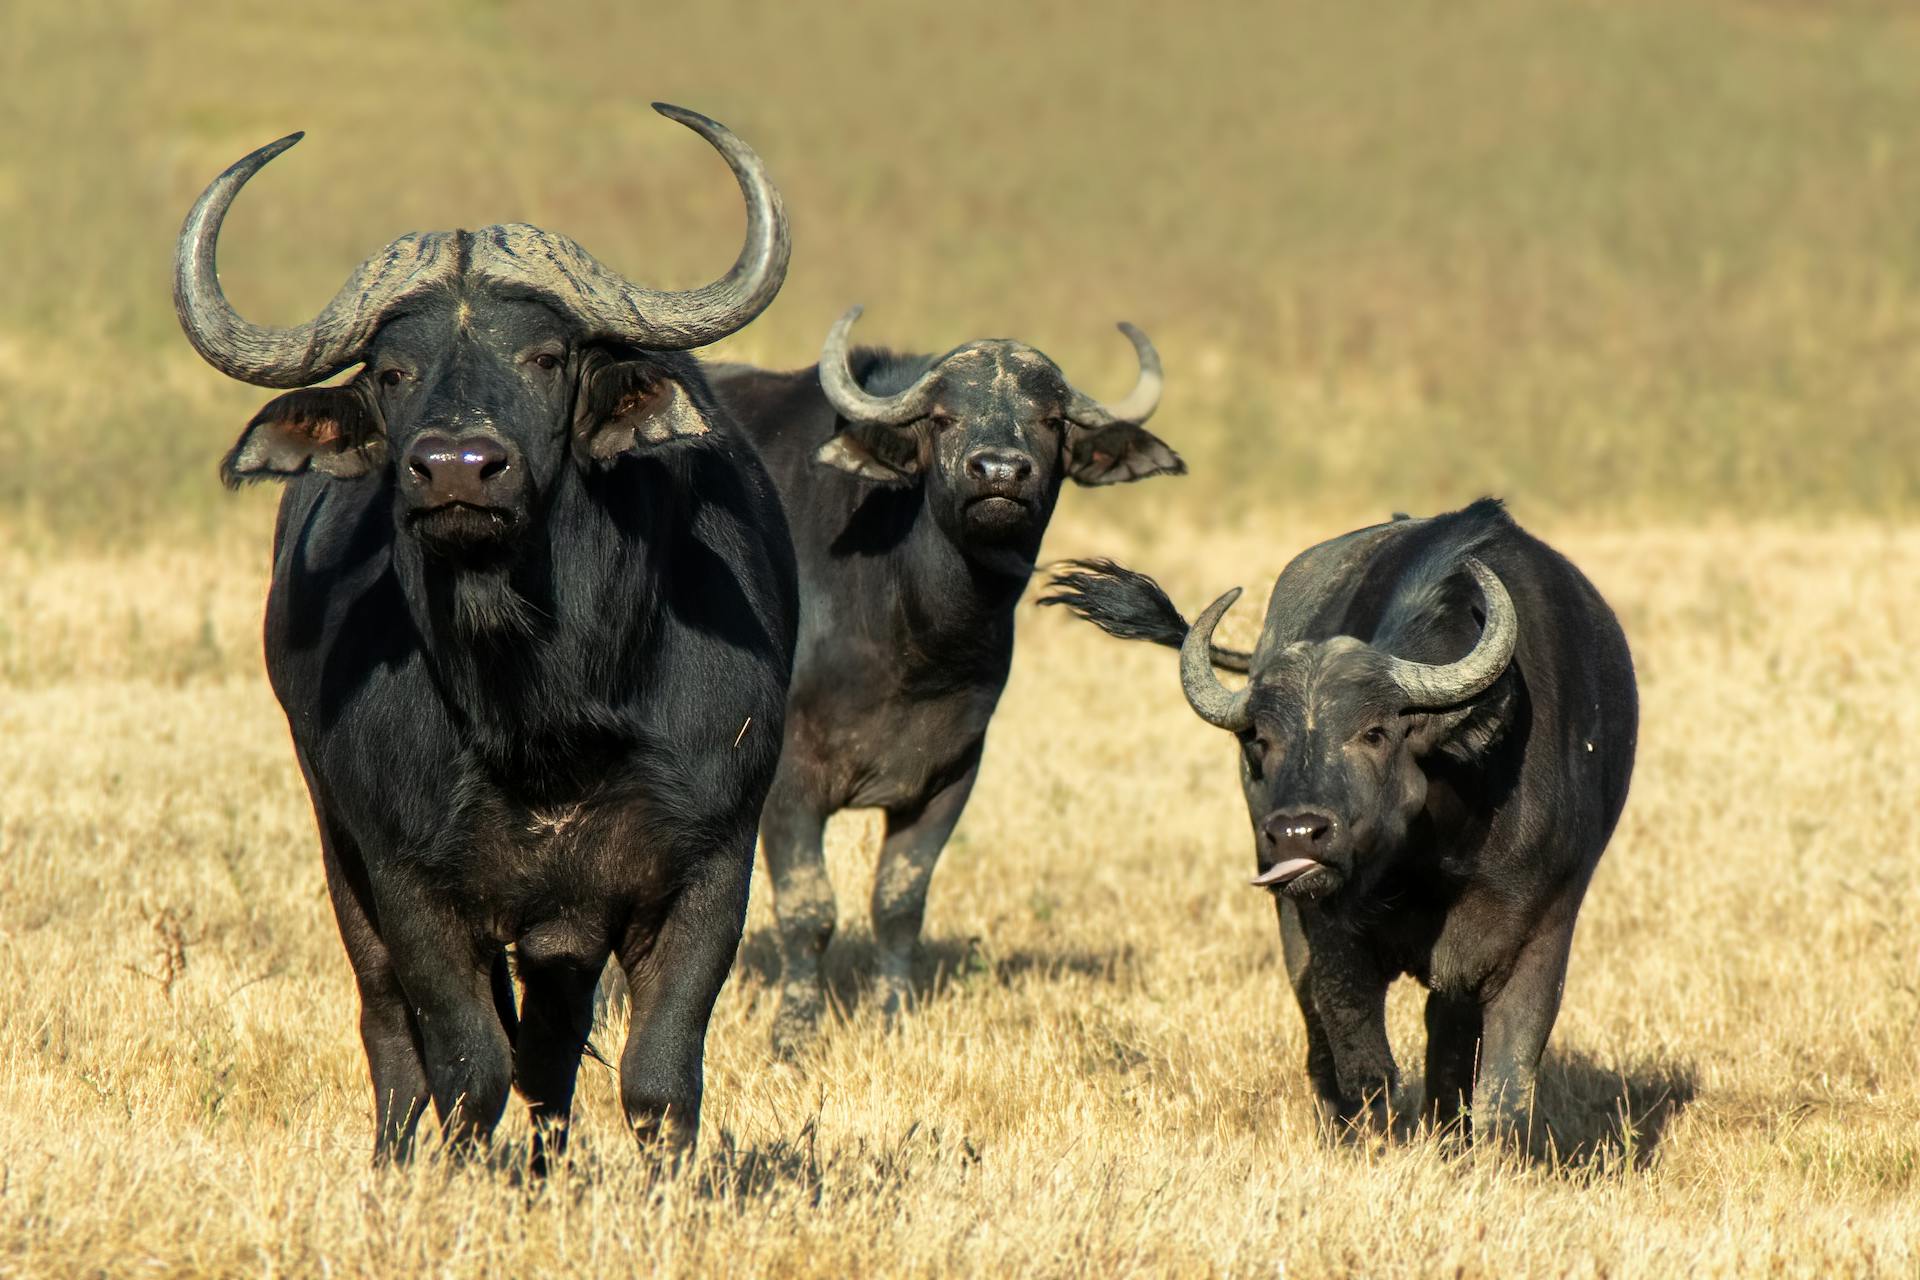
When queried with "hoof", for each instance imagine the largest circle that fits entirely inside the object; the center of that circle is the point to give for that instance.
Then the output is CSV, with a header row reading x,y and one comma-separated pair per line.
x,y
796,1026
892,996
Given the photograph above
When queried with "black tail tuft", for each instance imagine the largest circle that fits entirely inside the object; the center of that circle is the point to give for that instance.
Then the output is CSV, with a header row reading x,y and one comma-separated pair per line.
x,y
1117,600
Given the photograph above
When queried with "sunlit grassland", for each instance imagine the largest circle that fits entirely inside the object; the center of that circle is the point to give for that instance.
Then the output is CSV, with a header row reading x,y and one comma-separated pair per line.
x,y
1105,1071
1649,270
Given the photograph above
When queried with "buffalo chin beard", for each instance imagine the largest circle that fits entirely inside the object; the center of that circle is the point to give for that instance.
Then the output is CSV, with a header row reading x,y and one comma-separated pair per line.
x,y
474,550
1002,534
485,604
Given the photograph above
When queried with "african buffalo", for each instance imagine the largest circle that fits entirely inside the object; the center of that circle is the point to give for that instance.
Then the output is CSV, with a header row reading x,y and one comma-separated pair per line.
x,y
1435,743
918,488
532,622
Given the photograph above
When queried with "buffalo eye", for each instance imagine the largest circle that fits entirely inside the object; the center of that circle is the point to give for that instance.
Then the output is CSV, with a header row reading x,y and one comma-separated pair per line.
x,y
392,377
1377,736
1254,748
940,421
547,361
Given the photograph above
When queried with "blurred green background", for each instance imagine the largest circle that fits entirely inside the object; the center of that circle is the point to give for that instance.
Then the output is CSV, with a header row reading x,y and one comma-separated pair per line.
x,y
1624,261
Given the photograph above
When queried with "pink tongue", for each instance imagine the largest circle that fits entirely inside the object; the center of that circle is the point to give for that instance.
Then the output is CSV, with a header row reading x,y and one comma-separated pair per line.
x,y
1281,872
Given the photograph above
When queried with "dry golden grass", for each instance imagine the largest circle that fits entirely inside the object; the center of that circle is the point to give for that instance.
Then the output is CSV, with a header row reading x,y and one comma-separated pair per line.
x,y
1640,264
1104,1075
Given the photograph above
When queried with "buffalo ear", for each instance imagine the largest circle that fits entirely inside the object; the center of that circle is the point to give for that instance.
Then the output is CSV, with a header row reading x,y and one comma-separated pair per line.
x,y
880,454
326,429
631,407
1117,454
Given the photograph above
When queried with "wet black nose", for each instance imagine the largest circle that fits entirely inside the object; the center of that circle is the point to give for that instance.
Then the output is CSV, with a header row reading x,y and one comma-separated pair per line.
x,y
1301,833
471,469
998,466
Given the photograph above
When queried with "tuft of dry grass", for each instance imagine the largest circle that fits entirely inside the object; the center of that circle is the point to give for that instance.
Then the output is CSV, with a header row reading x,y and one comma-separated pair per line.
x,y
1104,1073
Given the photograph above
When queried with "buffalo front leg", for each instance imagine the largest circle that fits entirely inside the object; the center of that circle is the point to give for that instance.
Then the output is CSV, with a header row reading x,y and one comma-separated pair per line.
x,y
1518,1019
387,1029
448,976
792,828
1343,994
555,1019
905,870
676,963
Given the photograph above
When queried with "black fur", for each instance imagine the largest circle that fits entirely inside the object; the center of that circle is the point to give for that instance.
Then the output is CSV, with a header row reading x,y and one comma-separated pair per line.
x,y
1454,843
548,724
907,616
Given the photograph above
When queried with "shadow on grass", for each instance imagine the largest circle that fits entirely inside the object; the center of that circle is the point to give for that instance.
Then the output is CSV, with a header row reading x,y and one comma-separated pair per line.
x,y
1598,1120
941,966
1604,1118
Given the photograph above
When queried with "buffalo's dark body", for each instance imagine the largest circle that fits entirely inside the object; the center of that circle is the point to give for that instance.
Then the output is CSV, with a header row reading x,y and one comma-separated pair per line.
x,y
531,622
904,647
908,589
591,786
905,643
1520,797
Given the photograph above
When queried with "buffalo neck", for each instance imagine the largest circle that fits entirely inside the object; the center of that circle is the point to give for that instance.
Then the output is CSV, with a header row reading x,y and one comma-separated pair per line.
x,y
956,611
538,657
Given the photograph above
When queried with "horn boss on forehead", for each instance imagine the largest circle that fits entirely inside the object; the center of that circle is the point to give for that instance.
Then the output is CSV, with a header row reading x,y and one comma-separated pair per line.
x,y
607,304
853,402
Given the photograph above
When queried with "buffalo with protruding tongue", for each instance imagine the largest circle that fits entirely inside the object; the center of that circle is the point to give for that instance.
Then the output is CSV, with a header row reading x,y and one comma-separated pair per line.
x,y
1435,740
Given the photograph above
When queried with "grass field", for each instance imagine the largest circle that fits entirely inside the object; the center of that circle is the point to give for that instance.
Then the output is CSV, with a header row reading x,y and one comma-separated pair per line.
x,y
1648,268
1634,259
1105,1074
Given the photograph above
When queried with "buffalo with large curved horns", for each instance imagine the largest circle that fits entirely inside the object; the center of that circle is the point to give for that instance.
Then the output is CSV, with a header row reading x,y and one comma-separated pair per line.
x,y
1435,739
532,622
919,488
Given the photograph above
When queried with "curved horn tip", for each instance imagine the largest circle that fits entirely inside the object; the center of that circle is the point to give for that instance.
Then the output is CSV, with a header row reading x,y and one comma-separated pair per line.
x,y
692,119
278,145
255,160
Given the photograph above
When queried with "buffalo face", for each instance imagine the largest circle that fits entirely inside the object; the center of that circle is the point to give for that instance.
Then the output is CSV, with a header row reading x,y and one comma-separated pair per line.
x,y
992,429
1330,768
479,403
489,358
1333,733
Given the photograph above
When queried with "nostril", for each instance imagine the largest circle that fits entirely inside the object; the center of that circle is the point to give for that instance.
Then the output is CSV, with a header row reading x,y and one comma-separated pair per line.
x,y
420,470
1302,828
492,467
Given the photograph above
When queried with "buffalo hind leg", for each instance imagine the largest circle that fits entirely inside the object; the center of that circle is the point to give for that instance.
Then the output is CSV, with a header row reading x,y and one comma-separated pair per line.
x,y
1343,998
556,1016
900,882
792,831
1453,1047
1519,1017
676,963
